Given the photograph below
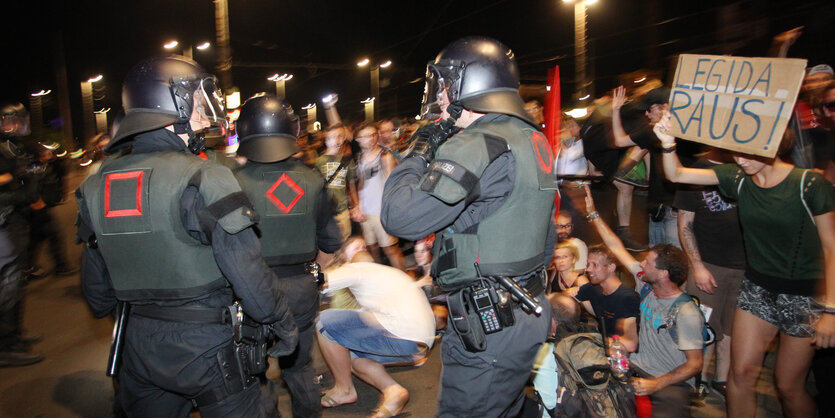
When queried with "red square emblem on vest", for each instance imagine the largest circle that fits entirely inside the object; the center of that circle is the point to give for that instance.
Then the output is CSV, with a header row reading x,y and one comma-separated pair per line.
x,y
132,176
288,182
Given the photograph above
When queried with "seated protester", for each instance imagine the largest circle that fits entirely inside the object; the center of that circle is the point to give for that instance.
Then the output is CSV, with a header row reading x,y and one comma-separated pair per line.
x,y
614,304
565,234
565,320
562,274
394,326
664,367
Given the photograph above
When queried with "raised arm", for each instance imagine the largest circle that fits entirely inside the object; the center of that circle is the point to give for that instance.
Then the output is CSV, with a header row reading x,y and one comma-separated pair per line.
x,y
622,139
673,170
608,236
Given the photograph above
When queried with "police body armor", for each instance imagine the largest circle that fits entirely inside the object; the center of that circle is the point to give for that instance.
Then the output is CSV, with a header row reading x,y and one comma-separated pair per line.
x,y
286,196
134,204
510,241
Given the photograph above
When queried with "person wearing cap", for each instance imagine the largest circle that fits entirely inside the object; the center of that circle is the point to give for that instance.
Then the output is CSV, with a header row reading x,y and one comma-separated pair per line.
x,y
663,223
170,238
296,224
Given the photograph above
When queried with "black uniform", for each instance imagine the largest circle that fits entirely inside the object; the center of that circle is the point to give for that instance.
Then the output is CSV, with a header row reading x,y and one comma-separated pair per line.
x,y
14,231
490,382
167,364
296,222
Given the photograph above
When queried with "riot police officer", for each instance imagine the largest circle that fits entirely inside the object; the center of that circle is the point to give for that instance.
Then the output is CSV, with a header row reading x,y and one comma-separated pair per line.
x,y
296,223
481,176
171,235
15,197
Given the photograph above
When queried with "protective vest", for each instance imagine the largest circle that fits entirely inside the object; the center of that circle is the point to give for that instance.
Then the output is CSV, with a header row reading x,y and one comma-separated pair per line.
x,y
511,240
286,196
134,205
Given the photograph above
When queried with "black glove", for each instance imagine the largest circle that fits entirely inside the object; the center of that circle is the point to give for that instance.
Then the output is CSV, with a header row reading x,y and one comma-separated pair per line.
x,y
286,336
428,138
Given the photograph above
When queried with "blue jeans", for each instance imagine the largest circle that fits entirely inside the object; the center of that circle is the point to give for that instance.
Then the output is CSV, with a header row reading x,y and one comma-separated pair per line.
x,y
361,334
666,231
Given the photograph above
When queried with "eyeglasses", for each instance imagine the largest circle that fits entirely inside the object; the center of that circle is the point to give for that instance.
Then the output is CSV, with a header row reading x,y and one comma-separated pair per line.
x,y
366,136
829,106
564,226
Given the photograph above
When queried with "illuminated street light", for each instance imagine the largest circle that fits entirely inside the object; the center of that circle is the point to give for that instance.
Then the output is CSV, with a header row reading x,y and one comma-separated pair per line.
x,y
583,86
204,46
41,93
374,72
385,64
577,113
188,49
311,117
585,97
95,79
280,83
171,45
368,100
92,122
363,63
369,109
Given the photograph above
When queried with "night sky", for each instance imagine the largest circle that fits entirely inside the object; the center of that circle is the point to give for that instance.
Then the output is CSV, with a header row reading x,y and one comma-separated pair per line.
x,y
319,42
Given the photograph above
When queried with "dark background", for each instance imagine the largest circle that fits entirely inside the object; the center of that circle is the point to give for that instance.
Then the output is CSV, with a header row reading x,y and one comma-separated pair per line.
x,y
319,42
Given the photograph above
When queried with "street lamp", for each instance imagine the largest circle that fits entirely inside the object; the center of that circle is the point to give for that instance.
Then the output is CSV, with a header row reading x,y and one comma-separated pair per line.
x,y
188,50
375,76
582,85
280,81
311,116
369,109
89,118
36,107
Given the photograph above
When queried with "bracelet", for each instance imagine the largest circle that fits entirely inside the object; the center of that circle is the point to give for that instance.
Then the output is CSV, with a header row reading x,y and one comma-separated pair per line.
x,y
669,149
829,310
592,216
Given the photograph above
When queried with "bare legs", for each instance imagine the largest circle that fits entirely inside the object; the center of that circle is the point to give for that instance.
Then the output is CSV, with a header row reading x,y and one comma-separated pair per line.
x,y
748,347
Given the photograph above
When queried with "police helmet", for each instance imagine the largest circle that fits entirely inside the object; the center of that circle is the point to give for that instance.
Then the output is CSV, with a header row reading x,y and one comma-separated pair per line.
x,y
480,73
267,129
15,119
162,91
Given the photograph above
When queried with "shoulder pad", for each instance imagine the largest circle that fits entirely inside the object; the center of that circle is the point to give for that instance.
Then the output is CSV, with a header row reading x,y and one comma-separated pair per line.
x,y
459,164
225,199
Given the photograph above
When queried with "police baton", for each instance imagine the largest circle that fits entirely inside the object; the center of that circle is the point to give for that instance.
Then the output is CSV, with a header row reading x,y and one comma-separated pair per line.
x,y
113,361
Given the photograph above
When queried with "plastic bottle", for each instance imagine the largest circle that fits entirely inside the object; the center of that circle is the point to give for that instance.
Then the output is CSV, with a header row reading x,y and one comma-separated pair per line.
x,y
618,358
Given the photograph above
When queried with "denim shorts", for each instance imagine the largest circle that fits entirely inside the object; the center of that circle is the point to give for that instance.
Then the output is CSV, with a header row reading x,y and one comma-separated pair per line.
x,y
363,336
795,315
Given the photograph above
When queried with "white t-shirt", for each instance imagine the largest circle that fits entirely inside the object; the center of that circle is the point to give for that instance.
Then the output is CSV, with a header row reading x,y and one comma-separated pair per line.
x,y
397,302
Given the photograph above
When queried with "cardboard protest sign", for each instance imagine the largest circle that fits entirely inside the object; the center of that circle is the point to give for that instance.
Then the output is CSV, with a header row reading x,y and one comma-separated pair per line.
x,y
735,103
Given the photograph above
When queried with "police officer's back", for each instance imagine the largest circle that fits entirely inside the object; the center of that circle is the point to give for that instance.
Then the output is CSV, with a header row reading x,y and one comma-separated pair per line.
x,y
487,191
296,222
168,233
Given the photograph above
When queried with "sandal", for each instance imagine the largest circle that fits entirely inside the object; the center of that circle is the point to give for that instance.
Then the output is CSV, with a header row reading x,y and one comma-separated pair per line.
x,y
328,402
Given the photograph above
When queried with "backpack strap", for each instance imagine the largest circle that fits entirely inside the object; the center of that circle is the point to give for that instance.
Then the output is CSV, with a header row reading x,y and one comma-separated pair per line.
x,y
803,188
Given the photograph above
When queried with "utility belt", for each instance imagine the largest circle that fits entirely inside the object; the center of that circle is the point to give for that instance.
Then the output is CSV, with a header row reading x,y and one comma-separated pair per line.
x,y
487,306
240,361
310,267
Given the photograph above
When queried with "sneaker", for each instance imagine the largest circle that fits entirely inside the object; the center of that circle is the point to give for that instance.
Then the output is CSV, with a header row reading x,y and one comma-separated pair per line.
x,y
699,394
626,238
720,387
18,358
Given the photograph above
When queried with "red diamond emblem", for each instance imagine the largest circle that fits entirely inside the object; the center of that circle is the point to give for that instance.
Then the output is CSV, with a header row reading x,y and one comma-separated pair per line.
x,y
287,181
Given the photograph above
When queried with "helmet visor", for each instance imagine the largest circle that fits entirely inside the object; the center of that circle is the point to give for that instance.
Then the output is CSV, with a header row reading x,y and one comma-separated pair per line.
x,y
440,77
208,104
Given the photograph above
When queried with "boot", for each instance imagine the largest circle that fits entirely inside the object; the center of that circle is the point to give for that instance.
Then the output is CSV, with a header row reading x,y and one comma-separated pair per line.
x,y
626,238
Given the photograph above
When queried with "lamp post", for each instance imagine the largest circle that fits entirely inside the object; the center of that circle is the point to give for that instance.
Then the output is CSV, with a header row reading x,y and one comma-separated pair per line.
x,y
280,81
36,108
88,118
583,86
375,78
311,116
188,50
369,109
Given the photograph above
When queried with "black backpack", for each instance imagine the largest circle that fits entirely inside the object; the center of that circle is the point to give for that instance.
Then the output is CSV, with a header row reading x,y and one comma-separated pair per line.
x,y
586,385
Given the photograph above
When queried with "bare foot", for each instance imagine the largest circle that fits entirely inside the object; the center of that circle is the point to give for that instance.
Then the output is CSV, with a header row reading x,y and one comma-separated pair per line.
x,y
337,396
395,398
